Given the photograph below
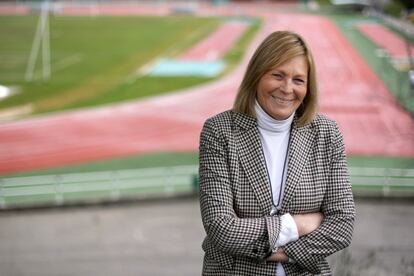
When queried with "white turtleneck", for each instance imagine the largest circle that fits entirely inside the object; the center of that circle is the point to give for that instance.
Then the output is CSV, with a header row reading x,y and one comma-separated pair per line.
x,y
274,135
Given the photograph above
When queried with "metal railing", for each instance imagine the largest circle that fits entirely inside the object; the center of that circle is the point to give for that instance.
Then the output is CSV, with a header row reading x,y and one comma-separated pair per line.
x,y
70,188
97,186
382,181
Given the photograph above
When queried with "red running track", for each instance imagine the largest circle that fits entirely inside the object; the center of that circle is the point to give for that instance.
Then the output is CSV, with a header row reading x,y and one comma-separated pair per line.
x,y
385,39
97,9
371,120
14,9
209,50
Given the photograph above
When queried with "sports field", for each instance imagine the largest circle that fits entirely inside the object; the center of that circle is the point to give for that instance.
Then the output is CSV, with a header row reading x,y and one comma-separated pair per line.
x,y
94,60
163,131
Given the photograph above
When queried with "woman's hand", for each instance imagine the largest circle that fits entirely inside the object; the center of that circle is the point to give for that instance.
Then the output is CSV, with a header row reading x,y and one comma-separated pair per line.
x,y
278,256
307,223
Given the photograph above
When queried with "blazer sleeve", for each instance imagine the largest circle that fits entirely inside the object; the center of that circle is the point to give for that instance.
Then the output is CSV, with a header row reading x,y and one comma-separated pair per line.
x,y
338,207
247,237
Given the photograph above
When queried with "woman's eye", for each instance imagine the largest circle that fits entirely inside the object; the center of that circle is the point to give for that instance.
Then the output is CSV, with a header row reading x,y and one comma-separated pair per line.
x,y
277,76
299,81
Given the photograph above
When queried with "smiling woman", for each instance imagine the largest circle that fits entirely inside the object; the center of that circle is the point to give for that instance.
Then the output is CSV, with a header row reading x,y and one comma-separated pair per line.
x,y
275,193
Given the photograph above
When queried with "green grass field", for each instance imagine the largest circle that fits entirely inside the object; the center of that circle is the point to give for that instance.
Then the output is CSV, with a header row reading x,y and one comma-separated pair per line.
x,y
96,60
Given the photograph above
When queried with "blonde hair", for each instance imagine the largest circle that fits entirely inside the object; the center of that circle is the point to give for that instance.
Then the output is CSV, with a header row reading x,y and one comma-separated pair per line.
x,y
277,49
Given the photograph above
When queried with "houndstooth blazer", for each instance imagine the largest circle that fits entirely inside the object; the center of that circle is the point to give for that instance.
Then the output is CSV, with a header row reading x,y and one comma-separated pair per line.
x,y
235,197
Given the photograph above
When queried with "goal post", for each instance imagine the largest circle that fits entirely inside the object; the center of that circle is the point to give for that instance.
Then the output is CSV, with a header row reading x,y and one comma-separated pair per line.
x,y
41,39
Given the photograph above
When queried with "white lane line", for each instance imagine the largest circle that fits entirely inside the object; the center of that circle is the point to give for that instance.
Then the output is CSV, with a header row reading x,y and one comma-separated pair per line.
x,y
67,61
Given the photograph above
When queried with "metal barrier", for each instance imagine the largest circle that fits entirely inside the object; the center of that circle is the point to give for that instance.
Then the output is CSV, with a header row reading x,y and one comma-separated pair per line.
x,y
96,186
382,181
46,190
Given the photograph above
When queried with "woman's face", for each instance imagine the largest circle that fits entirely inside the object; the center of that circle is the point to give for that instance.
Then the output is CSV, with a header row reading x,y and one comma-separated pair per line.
x,y
281,90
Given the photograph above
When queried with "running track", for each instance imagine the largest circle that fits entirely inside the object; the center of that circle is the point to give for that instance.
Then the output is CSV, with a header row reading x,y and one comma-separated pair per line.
x,y
227,34
371,120
395,46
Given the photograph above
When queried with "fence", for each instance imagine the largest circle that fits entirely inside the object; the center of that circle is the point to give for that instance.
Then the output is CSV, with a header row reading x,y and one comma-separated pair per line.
x,y
382,182
97,186
107,186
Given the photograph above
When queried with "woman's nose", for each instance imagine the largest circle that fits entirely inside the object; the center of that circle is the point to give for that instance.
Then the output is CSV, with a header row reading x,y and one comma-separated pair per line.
x,y
287,86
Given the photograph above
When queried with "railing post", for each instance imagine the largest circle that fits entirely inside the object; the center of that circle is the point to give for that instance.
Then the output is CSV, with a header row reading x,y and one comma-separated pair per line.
x,y
115,192
386,185
168,186
194,183
58,190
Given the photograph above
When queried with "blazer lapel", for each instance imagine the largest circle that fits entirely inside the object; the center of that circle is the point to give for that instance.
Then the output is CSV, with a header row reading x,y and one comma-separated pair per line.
x,y
252,159
302,139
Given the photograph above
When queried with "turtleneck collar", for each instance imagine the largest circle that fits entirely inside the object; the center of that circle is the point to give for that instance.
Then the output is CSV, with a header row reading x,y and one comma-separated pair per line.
x,y
266,122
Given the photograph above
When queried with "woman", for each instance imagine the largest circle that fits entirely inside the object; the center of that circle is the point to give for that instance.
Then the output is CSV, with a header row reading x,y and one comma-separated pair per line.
x,y
275,194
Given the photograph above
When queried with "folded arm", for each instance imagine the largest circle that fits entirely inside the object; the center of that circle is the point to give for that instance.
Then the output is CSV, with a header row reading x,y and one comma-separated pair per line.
x,y
248,237
303,224
335,232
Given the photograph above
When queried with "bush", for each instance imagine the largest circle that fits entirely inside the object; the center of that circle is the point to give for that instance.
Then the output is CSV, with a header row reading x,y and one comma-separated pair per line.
x,y
394,8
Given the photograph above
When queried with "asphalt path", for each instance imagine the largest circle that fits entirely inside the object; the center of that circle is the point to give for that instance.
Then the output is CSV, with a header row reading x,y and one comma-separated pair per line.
x,y
163,237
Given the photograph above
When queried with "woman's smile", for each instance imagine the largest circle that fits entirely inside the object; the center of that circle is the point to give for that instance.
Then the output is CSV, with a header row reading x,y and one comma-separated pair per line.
x,y
282,101
281,90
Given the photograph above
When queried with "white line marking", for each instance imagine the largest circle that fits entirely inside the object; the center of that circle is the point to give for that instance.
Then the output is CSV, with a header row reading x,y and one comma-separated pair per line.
x,y
66,62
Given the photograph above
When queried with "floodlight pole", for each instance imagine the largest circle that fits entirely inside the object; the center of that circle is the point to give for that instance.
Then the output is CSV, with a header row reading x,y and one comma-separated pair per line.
x,y
41,37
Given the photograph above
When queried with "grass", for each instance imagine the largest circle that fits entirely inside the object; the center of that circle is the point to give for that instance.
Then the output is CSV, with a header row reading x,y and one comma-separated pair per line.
x,y
94,59
150,85
141,87
97,60
381,162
